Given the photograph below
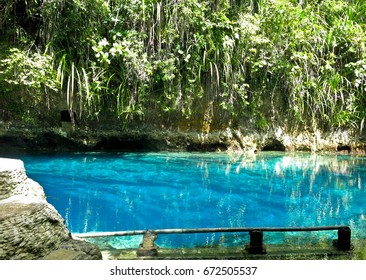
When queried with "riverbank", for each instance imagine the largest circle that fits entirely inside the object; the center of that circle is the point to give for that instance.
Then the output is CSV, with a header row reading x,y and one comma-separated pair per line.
x,y
22,138
30,227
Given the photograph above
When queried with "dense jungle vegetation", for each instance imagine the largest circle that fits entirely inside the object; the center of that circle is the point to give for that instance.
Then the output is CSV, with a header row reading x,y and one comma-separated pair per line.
x,y
197,64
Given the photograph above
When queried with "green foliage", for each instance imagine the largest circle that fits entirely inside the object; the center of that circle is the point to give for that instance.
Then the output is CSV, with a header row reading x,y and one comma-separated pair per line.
x,y
126,71
28,83
298,62
310,50
30,69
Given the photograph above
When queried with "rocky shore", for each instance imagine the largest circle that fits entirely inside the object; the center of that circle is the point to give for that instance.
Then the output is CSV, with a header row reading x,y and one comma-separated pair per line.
x,y
15,139
30,227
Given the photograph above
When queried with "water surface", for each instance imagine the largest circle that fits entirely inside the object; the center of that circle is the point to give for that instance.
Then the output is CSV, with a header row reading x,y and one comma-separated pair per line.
x,y
132,191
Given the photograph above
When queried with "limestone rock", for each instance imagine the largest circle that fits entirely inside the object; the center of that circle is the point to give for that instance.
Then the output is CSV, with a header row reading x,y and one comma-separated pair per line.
x,y
244,137
14,181
75,250
30,227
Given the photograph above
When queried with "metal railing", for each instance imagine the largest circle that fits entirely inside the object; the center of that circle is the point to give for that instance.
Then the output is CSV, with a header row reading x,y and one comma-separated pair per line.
x,y
255,246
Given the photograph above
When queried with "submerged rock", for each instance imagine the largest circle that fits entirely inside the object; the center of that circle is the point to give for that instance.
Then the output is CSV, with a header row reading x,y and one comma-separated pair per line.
x,y
30,227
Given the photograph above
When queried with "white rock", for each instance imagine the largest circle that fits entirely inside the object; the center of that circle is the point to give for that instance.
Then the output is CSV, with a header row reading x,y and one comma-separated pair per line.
x,y
29,226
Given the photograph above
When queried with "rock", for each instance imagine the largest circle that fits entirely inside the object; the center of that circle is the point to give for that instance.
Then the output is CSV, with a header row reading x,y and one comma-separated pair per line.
x,y
30,227
75,250
14,181
242,139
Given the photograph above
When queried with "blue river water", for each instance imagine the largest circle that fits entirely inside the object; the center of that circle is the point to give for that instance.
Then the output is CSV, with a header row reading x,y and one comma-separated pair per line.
x,y
97,192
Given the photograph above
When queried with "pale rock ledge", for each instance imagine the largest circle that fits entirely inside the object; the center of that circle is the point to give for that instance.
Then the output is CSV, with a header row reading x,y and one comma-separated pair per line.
x,y
30,227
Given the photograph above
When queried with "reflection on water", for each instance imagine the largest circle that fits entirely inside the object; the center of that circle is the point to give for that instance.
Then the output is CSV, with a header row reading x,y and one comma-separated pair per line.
x,y
128,191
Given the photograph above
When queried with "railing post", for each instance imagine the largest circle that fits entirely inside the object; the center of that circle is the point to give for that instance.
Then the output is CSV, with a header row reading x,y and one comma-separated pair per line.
x,y
147,247
344,239
255,246
256,243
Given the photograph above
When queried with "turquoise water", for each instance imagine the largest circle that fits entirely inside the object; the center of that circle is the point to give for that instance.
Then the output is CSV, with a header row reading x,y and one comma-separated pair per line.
x,y
132,191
